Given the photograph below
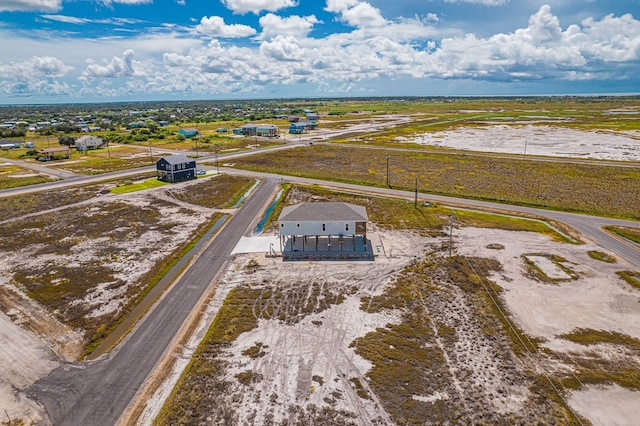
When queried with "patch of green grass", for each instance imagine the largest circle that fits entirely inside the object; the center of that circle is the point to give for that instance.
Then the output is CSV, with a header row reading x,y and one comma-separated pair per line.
x,y
360,390
14,176
632,278
133,187
585,336
632,234
601,256
255,351
248,377
536,273
510,223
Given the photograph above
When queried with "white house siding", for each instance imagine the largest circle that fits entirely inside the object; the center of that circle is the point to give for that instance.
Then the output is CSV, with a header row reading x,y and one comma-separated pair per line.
x,y
88,142
316,228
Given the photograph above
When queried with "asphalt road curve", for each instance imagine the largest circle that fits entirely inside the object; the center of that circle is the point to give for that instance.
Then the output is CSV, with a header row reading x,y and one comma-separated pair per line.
x,y
97,392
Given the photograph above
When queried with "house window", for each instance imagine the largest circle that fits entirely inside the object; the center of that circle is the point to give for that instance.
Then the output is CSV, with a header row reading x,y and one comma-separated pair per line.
x,y
346,227
282,225
324,227
298,225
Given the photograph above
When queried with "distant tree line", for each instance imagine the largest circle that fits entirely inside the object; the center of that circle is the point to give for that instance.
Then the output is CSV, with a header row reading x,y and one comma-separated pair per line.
x,y
16,132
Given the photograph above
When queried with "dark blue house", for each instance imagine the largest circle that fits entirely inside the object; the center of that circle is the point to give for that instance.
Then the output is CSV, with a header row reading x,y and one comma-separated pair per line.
x,y
176,168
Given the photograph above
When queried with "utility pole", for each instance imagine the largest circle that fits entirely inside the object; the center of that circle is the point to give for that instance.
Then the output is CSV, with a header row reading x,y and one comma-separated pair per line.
x,y
415,201
388,181
450,233
525,148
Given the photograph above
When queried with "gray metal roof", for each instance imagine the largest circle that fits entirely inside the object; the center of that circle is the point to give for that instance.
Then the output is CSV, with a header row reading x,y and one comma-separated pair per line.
x,y
323,212
177,159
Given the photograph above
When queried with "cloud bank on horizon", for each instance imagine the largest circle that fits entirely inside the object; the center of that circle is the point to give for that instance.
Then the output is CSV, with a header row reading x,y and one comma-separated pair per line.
x,y
115,50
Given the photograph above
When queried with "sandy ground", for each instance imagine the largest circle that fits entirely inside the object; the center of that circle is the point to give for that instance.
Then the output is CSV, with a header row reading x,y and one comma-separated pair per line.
x,y
539,140
32,341
598,300
298,354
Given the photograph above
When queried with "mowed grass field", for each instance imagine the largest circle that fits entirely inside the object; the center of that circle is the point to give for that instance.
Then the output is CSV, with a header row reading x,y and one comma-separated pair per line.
x,y
586,188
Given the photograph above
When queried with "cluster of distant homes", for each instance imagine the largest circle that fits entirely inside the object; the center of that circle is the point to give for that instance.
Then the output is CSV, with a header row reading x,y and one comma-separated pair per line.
x,y
83,143
33,127
89,142
297,126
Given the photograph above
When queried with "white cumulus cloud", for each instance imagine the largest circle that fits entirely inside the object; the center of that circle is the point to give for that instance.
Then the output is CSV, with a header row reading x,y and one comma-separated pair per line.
x,y
257,6
117,67
541,50
356,13
214,26
37,66
296,26
30,5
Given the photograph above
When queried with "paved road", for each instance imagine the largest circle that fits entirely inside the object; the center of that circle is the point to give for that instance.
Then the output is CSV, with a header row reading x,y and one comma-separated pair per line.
x,y
97,393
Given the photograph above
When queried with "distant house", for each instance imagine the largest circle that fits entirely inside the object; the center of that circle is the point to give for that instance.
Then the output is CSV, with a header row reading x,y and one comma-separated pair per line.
x,y
176,168
137,125
57,153
246,130
302,127
312,116
29,144
188,132
268,130
7,144
221,130
85,143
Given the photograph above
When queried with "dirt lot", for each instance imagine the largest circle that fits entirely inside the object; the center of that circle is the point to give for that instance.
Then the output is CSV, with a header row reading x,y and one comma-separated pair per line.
x,y
82,263
539,139
315,357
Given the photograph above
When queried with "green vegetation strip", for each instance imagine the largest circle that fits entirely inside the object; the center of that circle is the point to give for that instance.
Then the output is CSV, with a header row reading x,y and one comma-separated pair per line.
x,y
587,188
128,186
601,256
633,278
631,234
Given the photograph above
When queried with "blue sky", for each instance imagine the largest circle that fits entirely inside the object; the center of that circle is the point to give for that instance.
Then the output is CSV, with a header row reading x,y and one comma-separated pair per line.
x,y
117,50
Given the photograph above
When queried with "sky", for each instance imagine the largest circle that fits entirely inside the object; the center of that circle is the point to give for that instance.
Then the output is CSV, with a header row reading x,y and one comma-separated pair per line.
x,y
61,51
